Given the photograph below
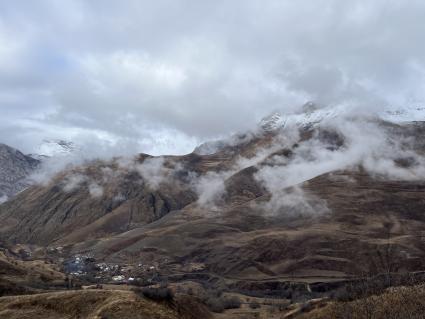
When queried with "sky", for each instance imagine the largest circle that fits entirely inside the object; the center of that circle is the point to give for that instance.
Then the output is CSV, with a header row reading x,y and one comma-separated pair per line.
x,y
160,77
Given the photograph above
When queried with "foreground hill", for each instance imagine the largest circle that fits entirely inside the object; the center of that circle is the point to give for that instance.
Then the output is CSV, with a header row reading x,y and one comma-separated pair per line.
x,y
94,304
22,274
400,302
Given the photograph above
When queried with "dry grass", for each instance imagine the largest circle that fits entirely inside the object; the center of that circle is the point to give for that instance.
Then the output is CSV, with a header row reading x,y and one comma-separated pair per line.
x,y
400,302
96,304
22,276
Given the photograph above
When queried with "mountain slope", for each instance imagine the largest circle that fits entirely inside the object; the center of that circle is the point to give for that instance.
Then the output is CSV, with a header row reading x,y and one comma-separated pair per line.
x,y
101,196
114,304
322,203
110,197
244,242
19,275
15,167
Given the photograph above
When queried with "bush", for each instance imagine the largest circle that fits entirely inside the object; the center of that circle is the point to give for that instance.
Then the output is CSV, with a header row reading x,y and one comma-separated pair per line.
x,y
306,307
254,305
215,305
189,307
219,304
232,303
141,282
156,294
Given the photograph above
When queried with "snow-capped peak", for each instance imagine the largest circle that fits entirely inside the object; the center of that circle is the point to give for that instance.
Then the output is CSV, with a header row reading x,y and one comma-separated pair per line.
x,y
406,114
311,115
50,148
273,122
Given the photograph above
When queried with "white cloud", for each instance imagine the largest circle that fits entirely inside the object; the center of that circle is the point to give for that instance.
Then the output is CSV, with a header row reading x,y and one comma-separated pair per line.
x,y
3,199
74,181
153,171
142,71
95,190
210,188
364,143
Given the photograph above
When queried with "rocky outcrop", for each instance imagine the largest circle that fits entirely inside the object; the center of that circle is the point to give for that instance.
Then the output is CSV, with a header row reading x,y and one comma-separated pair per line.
x,y
15,168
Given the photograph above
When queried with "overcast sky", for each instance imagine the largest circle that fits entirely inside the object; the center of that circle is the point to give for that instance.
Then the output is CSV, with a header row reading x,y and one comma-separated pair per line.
x,y
161,76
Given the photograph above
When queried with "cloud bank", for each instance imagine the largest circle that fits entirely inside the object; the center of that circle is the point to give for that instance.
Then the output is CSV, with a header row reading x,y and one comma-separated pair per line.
x,y
161,77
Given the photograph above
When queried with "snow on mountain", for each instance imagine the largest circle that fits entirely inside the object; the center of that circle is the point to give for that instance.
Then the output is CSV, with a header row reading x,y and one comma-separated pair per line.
x,y
273,122
209,147
51,148
311,115
407,114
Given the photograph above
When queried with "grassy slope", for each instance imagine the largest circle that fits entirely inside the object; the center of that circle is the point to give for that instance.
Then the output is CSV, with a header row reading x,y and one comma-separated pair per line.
x,y
92,304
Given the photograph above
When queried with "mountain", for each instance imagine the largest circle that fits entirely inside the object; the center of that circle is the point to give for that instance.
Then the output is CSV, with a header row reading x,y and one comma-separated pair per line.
x,y
300,209
15,167
102,196
89,204
309,115
312,114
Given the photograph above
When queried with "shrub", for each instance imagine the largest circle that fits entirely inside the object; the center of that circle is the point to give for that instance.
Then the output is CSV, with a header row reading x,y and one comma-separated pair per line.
x,y
156,294
305,307
215,305
254,305
219,304
44,278
231,303
141,282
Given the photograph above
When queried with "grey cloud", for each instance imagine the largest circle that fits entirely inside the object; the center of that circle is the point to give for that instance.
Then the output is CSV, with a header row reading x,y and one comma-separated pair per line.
x,y
186,71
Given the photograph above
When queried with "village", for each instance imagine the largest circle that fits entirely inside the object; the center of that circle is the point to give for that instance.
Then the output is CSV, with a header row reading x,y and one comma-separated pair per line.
x,y
86,268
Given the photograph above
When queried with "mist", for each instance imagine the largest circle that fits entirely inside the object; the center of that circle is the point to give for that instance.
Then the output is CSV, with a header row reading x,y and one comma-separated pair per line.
x,y
350,143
